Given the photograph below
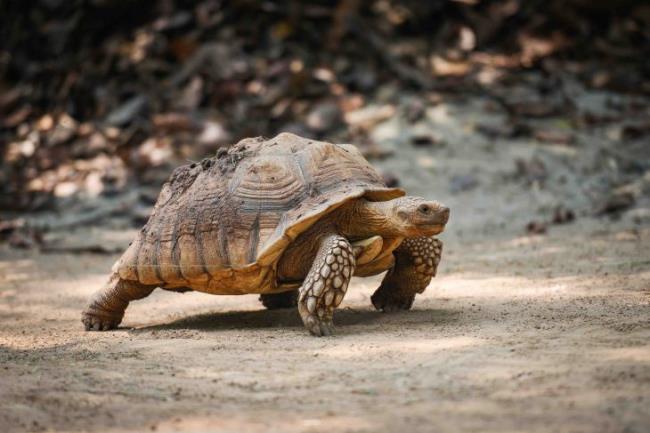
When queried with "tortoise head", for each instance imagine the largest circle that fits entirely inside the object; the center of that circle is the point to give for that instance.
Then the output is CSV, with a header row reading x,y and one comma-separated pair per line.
x,y
419,217
401,217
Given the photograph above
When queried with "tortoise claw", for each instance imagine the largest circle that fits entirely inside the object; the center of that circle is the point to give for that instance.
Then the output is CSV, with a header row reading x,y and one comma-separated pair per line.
x,y
97,322
320,328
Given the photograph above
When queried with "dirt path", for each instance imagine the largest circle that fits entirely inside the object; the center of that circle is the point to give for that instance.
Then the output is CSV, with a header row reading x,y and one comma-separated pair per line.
x,y
517,334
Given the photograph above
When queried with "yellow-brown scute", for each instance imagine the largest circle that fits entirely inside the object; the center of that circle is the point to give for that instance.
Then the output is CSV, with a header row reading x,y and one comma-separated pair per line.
x,y
240,212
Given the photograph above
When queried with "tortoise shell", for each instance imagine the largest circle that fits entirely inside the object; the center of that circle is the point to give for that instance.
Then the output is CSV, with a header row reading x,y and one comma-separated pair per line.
x,y
220,226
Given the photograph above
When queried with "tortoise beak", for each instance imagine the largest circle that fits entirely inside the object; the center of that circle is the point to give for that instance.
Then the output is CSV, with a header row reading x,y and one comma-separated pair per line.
x,y
443,215
432,218
433,213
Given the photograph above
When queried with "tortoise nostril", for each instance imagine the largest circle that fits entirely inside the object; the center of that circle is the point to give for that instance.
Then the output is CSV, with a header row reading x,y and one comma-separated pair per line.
x,y
444,214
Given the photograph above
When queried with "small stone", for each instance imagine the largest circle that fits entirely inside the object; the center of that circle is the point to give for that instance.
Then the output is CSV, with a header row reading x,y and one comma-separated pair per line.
x,y
335,266
339,259
346,271
338,282
418,260
329,297
325,271
329,259
430,262
336,251
339,298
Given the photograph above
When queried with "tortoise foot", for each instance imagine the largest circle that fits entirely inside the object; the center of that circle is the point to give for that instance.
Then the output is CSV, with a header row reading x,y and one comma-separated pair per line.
x,y
106,307
94,320
390,302
319,327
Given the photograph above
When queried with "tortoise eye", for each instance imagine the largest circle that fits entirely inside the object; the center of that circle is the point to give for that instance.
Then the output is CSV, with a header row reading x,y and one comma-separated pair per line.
x,y
424,208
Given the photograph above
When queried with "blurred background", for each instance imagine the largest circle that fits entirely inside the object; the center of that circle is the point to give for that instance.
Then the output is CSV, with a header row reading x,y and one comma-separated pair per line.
x,y
529,112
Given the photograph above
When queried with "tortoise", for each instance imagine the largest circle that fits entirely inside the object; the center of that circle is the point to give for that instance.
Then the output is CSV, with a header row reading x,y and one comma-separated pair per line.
x,y
289,218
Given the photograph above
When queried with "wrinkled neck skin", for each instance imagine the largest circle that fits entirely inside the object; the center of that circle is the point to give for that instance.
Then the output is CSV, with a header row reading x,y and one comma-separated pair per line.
x,y
362,219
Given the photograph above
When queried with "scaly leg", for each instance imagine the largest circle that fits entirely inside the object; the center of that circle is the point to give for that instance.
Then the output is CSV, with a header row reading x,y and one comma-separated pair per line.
x,y
416,261
106,308
326,284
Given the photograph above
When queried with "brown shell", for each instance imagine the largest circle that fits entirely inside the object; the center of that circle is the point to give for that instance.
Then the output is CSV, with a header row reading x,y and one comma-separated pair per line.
x,y
220,226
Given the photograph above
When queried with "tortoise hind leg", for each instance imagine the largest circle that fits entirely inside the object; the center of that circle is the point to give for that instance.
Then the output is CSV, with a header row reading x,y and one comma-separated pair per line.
x,y
106,308
326,283
276,301
416,262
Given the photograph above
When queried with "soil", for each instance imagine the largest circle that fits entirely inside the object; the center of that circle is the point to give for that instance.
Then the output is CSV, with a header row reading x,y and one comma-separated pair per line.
x,y
519,332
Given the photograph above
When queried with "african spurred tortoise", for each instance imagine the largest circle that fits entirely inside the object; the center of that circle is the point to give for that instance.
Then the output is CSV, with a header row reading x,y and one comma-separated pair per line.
x,y
289,218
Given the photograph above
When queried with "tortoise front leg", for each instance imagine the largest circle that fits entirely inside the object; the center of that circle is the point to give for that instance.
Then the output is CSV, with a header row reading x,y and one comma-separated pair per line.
x,y
326,284
106,308
416,261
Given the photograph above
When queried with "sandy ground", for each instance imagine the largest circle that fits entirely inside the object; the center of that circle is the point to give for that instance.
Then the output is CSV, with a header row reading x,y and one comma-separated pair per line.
x,y
524,334
518,333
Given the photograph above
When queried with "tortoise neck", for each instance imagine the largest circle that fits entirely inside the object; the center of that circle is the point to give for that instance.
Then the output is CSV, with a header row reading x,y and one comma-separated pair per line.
x,y
363,218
